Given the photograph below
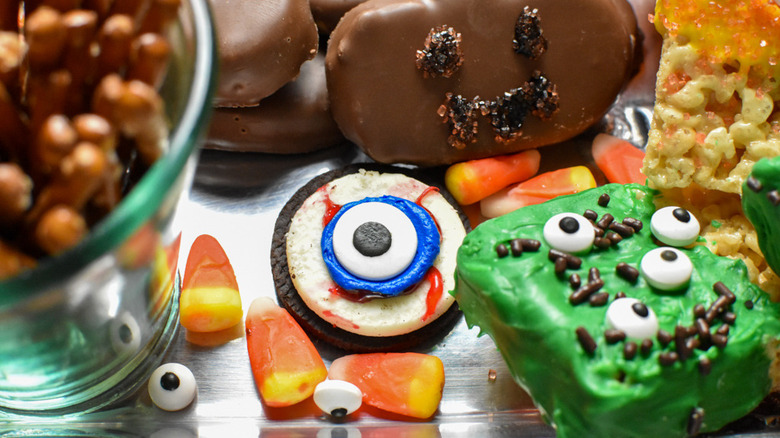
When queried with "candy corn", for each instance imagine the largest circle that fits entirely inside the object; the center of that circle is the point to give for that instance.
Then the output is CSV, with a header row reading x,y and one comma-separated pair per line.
x,y
285,365
538,189
409,384
619,160
210,300
471,181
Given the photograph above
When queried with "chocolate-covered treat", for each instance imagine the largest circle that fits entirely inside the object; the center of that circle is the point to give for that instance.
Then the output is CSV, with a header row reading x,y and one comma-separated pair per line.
x,y
327,13
295,119
532,73
261,47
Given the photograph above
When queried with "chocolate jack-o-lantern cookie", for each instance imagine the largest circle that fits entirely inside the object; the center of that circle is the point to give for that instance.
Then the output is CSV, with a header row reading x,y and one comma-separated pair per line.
x,y
440,81
261,46
363,257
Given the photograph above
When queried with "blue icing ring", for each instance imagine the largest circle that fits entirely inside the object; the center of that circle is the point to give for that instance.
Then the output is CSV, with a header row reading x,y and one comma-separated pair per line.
x,y
428,238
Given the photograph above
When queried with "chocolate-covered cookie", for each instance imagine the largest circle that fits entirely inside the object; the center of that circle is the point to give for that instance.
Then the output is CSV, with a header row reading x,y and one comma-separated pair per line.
x,y
440,81
295,119
327,13
261,46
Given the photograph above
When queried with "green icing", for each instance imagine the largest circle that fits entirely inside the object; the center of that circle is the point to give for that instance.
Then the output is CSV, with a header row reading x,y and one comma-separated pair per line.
x,y
524,306
764,216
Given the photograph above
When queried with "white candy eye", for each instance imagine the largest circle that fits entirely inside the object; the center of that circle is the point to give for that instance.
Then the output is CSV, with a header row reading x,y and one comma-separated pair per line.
x,y
172,386
337,398
569,232
125,334
633,318
666,268
374,241
674,226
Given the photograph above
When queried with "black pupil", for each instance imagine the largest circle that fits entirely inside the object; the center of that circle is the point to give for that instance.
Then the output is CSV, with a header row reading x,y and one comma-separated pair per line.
x,y
569,225
169,381
640,309
681,215
669,255
372,239
125,334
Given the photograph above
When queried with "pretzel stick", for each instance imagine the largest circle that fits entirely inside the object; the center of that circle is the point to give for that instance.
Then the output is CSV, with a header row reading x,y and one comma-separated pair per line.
x,y
161,14
76,180
55,140
15,193
133,8
62,5
149,56
13,261
14,131
48,94
101,7
11,54
97,130
9,15
45,36
114,39
80,27
60,228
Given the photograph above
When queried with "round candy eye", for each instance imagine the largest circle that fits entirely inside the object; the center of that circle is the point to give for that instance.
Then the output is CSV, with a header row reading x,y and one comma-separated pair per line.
x,y
125,334
674,226
338,398
374,241
633,318
666,268
383,245
569,232
172,387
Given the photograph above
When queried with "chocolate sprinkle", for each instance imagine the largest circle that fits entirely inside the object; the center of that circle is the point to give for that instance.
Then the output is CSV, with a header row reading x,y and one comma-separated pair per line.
x,y
560,265
667,358
602,243
719,340
590,215
629,350
531,245
620,294
605,221
754,184
442,55
575,281
636,224
702,329
699,311
729,317
695,420
646,347
682,348
664,337
572,261
593,274
749,304
705,365
723,330
603,199
586,340
529,40
622,229
614,237
501,250
516,246
582,294
598,299
774,197
613,336
722,289
627,272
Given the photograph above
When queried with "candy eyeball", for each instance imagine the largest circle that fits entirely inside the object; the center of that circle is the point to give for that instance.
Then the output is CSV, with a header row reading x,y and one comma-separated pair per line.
x,y
569,232
125,334
666,268
172,386
674,226
633,318
374,241
337,398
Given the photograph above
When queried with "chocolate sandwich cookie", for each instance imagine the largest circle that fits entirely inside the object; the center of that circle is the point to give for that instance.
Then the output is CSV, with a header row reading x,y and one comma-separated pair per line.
x,y
295,119
261,47
440,81
363,258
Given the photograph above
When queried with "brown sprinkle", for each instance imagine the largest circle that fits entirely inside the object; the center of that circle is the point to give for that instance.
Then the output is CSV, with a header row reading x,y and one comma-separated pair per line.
x,y
501,250
622,229
601,242
516,247
699,311
664,337
531,245
593,274
620,294
729,317
723,330
629,350
627,272
773,197
705,365
605,221
722,289
603,200
575,281
681,346
667,358
614,237
590,215
749,304
695,420
584,292
560,265
613,336
598,299
754,184
646,347
586,340
636,224
572,261
719,340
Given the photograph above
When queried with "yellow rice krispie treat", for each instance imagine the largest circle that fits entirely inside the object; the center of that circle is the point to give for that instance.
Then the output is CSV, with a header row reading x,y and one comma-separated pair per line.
x,y
715,116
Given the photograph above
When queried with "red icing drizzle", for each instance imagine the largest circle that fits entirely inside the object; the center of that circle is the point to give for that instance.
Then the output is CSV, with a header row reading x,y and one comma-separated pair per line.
x,y
331,208
344,321
428,190
435,291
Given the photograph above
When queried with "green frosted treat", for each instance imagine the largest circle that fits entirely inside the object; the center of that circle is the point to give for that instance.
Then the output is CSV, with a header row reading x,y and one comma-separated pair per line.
x,y
611,355
761,204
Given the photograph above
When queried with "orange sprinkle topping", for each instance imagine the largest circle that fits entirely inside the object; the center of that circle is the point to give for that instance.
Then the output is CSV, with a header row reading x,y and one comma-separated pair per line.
x,y
742,30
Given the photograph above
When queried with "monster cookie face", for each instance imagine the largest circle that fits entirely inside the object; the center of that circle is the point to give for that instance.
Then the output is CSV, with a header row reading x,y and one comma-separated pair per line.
x,y
374,253
434,82
647,339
